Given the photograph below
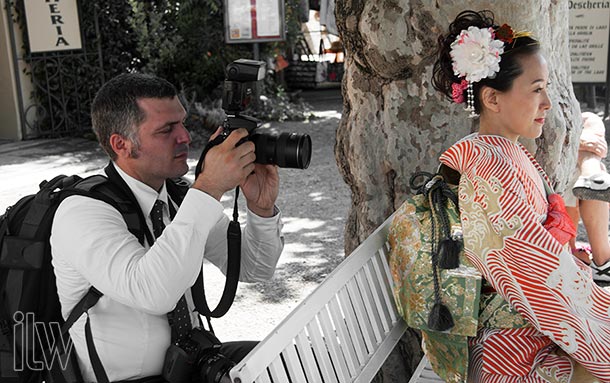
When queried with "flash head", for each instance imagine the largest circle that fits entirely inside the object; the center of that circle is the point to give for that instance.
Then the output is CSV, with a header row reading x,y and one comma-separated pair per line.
x,y
244,70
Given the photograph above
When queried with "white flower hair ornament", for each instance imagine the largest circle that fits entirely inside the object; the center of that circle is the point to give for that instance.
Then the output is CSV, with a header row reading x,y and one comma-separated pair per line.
x,y
475,54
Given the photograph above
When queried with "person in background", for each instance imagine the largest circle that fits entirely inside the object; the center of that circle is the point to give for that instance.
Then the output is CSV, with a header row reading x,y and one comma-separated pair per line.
x,y
588,199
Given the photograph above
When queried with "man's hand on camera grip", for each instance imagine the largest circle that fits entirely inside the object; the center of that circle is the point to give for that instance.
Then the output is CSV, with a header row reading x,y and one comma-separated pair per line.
x,y
226,165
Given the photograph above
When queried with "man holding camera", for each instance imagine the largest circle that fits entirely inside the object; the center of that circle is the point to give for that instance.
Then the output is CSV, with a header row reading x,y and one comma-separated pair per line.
x,y
138,120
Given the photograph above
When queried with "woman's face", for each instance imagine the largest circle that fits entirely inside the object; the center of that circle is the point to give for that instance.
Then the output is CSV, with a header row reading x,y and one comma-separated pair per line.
x,y
522,109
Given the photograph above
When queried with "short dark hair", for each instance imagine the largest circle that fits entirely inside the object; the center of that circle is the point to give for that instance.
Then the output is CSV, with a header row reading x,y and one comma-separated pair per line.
x,y
115,108
510,66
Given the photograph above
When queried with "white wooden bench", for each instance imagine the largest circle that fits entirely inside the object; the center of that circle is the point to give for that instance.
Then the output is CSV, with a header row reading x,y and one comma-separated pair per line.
x,y
342,332
424,374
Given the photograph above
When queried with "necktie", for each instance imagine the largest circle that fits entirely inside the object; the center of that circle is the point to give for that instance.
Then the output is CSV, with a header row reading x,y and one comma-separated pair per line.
x,y
179,319
156,216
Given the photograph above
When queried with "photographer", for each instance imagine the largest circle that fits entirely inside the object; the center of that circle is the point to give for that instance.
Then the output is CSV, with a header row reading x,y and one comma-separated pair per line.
x,y
138,120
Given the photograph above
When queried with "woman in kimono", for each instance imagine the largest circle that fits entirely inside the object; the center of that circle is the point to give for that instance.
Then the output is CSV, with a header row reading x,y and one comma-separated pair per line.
x,y
504,201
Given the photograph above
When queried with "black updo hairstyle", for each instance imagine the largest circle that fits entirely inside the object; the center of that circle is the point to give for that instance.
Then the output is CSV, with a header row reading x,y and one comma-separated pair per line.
x,y
510,67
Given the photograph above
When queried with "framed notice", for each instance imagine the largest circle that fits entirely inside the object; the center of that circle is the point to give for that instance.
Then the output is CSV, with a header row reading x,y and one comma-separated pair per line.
x,y
248,21
52,25
589,35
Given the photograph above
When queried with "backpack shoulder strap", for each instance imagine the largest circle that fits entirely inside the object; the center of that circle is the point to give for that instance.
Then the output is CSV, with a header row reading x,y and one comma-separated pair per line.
x,y
44,203
117,189
104,189
101,188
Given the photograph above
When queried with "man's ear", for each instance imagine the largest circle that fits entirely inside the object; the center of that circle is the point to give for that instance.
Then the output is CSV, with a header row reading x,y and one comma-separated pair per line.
x,y
489,99
121,146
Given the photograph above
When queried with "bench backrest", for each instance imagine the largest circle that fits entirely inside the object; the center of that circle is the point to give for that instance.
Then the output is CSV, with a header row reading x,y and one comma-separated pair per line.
x,y
342,332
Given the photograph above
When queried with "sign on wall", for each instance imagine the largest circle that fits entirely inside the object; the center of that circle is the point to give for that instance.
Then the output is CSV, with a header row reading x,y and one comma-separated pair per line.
x,y
249,21
589,35
53,25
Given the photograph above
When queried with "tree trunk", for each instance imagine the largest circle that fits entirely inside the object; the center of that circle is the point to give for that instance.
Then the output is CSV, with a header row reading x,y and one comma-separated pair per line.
x,y
394,123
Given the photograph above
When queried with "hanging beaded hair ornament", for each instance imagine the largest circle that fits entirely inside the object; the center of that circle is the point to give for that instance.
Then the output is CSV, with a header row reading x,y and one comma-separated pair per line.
x,y
476,54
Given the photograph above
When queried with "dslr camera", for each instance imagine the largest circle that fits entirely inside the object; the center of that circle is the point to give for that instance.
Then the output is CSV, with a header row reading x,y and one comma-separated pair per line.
x,y
286,150
198,355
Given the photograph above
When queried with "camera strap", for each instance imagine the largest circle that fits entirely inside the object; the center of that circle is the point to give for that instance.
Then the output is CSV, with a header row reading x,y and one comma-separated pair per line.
x,y
234,257
232,275
217,140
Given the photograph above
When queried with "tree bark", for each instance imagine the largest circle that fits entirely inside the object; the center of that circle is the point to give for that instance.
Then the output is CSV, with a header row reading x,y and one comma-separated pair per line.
x,y
394,123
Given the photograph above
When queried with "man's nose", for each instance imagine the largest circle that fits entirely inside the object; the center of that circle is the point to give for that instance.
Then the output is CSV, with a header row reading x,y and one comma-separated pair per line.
x,y
184,137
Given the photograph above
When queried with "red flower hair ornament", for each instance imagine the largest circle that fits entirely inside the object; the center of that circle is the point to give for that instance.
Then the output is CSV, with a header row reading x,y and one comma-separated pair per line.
x,y
476,54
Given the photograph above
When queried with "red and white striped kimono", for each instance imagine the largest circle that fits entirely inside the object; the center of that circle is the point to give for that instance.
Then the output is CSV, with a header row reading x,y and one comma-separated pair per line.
x,y
503,206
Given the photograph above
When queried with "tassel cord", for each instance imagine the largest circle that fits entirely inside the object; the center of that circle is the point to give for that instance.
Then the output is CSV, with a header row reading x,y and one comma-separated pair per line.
x,y
440,203
421,187
434,249
429,187
438,194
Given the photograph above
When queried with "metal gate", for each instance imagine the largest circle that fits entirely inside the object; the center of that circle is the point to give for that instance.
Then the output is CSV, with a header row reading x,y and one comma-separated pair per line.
x,y
63,83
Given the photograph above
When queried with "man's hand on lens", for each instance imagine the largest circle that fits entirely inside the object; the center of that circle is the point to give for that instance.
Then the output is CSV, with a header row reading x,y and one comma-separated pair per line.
x,y
226,165
261,189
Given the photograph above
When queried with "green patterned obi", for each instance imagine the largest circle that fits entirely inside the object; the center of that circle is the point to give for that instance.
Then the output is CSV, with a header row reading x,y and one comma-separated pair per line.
x,y
411,267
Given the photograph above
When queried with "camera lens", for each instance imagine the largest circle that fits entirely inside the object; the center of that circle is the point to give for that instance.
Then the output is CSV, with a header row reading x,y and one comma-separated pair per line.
x,y
286,150
214,368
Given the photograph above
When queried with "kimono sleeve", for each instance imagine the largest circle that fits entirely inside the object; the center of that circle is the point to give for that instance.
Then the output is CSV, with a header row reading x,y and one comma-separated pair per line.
x,y
504,237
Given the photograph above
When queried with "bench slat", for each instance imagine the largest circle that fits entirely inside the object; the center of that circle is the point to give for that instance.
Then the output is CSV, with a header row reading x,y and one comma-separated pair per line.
x,y
293,364
321,353
264,378
381,353
369,304
361,316
353,327
278,373
387,284
424,374
345,341
330,337
375,288
307,357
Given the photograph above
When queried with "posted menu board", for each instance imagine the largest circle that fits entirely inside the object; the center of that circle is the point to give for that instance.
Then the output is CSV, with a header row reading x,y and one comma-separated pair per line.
x,y
589,34
249,21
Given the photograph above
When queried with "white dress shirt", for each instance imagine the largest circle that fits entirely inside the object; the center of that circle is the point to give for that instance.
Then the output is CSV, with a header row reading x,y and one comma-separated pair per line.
x,y
141,284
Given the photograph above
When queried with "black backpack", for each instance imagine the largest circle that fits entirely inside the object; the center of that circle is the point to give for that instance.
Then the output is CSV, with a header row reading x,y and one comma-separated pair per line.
x,y
34,339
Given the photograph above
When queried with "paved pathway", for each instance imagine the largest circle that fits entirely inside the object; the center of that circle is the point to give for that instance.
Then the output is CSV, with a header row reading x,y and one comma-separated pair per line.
x,y
23,164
